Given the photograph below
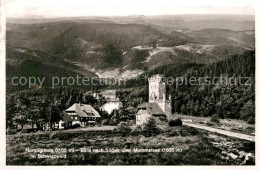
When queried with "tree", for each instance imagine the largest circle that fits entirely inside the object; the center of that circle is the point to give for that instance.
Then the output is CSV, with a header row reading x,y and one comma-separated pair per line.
x,y
215,118
248,112
20,117
183,109
10,111
150,127
190,107
175,122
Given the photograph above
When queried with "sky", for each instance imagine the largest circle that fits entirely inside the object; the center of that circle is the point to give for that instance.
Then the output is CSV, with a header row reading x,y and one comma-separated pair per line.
x,y
72,8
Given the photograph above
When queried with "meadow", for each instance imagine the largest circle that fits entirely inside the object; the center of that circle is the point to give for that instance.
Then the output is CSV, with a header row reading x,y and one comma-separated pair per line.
x,y
177,145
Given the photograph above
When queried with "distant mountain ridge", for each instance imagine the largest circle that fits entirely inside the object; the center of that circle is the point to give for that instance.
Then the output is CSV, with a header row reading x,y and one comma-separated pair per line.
x,y
121,46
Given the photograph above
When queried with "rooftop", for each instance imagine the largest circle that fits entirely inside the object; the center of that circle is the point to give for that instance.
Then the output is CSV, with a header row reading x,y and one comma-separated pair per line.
x,y
83,110
152,108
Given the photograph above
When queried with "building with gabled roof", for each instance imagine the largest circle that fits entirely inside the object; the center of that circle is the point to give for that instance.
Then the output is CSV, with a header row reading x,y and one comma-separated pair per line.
x,y
83,114
152,108
158,105
146,110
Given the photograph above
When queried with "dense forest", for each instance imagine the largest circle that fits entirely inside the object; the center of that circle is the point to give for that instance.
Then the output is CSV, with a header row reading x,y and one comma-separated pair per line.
x,y
236,101
39,107
45,105
231,99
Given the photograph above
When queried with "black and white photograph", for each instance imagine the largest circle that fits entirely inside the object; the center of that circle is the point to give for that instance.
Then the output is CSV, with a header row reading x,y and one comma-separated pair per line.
x,y
128,85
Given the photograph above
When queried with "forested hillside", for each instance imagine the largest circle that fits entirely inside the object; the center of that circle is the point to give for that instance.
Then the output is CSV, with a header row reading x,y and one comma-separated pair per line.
x,y
23,62
126,47
227,100
108,44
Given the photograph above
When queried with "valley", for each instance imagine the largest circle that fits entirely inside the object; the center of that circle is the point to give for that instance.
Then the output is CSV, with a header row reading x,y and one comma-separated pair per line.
x,y
156,122
111,46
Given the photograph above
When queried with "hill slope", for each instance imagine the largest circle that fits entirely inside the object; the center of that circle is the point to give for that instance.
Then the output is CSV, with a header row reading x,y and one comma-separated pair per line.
x,y
127,46
22,62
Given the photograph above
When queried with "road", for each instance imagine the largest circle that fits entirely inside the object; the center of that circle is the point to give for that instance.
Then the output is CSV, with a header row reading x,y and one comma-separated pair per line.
x,y
223,132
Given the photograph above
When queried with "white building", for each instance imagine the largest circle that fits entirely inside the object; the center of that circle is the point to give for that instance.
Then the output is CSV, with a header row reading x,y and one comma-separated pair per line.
x,y
158,104
83,114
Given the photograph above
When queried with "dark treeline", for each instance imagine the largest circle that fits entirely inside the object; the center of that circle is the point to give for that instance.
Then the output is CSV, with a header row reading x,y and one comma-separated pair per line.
x,y
44,106
226,99
232,99
41,107
243,65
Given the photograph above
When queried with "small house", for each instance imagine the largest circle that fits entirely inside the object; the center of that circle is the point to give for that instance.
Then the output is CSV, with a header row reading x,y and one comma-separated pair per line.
x,y
83,114
146,110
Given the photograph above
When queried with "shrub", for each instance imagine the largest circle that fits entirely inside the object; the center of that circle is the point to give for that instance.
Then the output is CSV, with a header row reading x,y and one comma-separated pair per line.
x,y
124,128
150,127
251,120
184,133
105,122
27,130
60,136
161,120
210,124
76,125
175,122
215,118
173,132
137,130
192,131
10,131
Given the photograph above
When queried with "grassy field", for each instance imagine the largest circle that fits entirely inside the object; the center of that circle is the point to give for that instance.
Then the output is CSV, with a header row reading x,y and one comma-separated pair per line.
x,y
177,146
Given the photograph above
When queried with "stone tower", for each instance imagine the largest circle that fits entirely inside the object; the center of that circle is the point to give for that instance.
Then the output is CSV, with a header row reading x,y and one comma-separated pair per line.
x,y
157,93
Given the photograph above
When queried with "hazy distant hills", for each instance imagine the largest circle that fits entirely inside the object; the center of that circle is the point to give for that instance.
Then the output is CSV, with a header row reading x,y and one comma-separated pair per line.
x,y
86,41
23,62
204,24
35,35
224,36
127,46
38,36
175,22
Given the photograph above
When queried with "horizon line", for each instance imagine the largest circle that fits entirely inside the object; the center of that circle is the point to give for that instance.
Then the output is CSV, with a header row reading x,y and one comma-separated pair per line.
x,y
130,15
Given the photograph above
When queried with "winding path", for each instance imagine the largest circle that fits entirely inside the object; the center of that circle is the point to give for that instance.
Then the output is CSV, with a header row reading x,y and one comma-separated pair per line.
x,y
223,132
